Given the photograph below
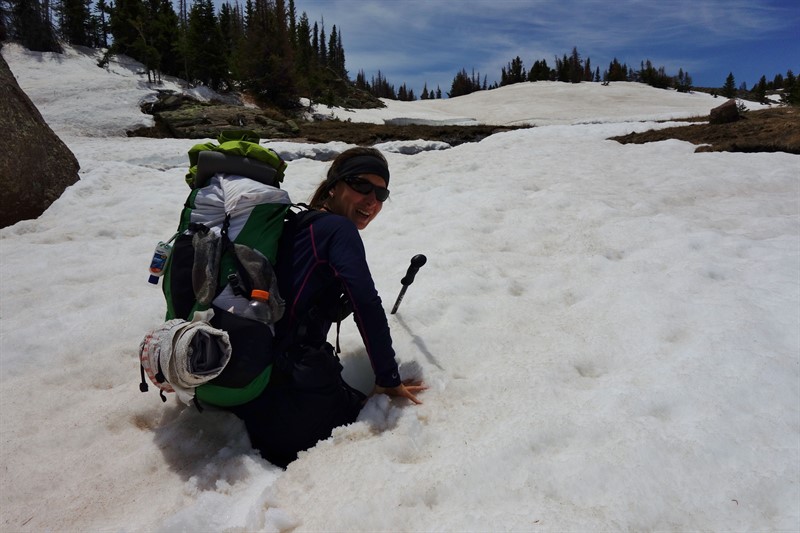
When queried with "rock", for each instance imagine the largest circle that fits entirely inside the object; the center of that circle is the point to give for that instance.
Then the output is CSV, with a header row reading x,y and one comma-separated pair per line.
x,y
182,116
727,112
293,127
165,101
195,120
38,166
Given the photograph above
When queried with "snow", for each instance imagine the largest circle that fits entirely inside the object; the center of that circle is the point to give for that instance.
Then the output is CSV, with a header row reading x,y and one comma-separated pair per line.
x,y
610,333
542,104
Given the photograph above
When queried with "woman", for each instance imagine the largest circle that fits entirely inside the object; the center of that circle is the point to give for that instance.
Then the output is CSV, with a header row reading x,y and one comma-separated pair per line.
x,y
307,397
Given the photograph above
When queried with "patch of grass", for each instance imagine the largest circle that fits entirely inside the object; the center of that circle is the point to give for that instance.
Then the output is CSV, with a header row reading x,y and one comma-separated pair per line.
x,y
767,130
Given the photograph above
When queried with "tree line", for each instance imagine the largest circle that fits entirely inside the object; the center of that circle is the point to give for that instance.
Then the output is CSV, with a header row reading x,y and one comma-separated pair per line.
x,y
265,48
572,68
788,86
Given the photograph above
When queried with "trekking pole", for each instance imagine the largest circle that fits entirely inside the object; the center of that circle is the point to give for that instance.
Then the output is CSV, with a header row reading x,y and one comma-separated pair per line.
x,y
416,262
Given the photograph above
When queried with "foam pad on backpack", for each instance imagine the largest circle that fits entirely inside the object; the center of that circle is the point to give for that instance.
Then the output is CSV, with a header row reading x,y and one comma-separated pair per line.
x,y
210,163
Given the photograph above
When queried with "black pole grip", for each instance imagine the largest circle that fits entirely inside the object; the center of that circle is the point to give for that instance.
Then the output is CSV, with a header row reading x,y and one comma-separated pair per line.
x,y
416,262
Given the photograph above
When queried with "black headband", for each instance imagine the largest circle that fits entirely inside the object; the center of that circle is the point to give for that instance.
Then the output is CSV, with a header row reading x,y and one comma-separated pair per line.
x,y
362,164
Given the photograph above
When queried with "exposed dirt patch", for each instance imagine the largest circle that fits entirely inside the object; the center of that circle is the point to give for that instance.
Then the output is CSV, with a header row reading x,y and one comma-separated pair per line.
x,y
766,130
369,134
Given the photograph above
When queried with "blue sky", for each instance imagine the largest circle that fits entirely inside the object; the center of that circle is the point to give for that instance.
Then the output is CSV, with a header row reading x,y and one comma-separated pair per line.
x,y
419,41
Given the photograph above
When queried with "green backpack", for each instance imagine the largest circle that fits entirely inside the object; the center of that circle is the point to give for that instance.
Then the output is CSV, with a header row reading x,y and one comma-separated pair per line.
x,y
226,246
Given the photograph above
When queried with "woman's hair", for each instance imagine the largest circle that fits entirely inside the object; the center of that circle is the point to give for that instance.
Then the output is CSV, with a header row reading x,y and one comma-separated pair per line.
x,y
320,195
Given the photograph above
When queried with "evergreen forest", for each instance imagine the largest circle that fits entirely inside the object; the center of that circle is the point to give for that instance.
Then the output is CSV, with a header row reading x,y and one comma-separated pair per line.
x,y
264,48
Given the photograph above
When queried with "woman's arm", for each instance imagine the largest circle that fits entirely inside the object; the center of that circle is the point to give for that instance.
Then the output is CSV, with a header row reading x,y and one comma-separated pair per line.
x,y
347,259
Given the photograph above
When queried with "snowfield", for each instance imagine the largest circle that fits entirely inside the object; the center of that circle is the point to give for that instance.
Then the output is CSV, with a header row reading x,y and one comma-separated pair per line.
x,y
610,333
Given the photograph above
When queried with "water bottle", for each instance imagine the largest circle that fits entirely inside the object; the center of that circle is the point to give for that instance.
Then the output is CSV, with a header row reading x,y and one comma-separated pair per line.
x,y
258,308
159,261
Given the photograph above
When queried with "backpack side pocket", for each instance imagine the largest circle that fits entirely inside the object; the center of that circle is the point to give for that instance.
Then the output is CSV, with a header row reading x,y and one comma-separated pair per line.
x,y
251,348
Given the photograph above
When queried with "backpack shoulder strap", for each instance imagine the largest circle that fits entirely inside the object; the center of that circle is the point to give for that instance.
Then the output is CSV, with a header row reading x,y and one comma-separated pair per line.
x,y
298,217
301,216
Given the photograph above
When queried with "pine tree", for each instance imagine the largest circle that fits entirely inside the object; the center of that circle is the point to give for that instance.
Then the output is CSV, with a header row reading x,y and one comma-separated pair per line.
x,y
103,9
332,49
227,25
205,48
791,89
292,12
29,24
381,88
574,68
789,80
323,49
265,54
167,36
563,69
284,93
729,89
683,83
125,16
232,28
315,42
183,13
513,73
3,17
304,51
464,84
539,71
75,22
361,81
760,90
616,71
402,93
655,77
336,53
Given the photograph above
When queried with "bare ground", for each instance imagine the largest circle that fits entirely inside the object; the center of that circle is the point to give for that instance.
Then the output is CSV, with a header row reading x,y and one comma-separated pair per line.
x,y
767,130
369,134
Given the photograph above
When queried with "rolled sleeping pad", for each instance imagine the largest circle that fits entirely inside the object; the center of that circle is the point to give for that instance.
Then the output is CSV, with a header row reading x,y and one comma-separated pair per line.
x,y
210,163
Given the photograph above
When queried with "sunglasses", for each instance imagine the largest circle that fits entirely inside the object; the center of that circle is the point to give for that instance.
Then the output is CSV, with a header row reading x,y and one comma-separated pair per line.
x,y
362,186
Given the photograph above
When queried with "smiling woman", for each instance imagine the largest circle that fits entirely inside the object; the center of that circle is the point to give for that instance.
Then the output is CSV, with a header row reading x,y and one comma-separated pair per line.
x,y
355,187
330,279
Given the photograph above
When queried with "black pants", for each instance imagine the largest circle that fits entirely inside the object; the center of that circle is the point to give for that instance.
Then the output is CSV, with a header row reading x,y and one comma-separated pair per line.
x,y
305,399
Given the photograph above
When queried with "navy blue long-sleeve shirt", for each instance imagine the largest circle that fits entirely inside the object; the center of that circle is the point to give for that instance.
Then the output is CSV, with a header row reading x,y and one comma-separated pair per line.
x,y
329,259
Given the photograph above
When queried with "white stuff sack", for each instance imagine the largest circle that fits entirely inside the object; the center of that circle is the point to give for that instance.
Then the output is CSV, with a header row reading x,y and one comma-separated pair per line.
x,y
179,355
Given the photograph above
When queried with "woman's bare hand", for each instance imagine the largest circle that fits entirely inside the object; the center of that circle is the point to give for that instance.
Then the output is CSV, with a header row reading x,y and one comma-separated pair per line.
x,y
404,390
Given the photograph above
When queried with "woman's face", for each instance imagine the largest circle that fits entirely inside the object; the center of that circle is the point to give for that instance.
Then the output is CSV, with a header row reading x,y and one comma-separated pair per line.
x,y
358,207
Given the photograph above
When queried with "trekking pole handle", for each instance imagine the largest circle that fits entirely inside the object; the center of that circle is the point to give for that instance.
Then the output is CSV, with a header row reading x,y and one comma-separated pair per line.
x,y
416,262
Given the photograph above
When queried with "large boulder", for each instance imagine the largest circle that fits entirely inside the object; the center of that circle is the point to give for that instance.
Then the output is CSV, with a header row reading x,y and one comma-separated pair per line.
x,y
37,165
183,117
724,114
204,121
